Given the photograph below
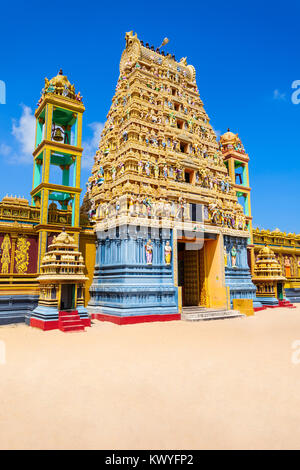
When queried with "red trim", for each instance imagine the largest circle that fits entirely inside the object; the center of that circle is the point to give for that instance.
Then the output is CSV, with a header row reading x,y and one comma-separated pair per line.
x,y
257,309
44,325
135,319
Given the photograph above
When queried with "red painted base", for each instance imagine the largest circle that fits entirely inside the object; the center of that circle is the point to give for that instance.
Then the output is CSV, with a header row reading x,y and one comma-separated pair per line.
x,y
135,319
66,322
281,304
44,325
257,309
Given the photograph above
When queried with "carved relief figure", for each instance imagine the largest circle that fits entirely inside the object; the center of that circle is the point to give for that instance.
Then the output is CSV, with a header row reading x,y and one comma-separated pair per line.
x,y
5,258
287,266
168,252
233,256
22,255
225,256
149,250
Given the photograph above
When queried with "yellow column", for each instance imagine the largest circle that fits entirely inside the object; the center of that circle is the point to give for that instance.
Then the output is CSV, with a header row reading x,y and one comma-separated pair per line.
x,y
42,247
79,129
75,296
44,206
214,267
48,121
77,206
175,263
78,171
12,253
231,170
247,175
46,165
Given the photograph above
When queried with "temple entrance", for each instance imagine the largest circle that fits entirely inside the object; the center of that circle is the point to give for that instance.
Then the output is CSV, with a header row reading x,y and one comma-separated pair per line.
x,y
189,273
279,291
67,297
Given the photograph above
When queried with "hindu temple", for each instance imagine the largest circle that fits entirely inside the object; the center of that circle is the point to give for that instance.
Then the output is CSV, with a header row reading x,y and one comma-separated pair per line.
x,y
165,224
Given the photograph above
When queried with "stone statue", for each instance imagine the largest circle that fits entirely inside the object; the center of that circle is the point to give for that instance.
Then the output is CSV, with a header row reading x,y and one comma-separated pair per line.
x,y
233,256
168,252
149,250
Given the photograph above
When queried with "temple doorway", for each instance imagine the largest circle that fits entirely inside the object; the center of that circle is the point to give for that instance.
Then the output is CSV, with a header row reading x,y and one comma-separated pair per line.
x,y
279,291
67,297
190,272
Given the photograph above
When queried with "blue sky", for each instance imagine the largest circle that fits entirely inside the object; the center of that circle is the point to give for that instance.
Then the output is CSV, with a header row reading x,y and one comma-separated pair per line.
x,y
246,56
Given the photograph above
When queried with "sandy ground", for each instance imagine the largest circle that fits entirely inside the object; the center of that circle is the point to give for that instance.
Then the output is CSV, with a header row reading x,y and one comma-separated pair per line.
x,y
177,385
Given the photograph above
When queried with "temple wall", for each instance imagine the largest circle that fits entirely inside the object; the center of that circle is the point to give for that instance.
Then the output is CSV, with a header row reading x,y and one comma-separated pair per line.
x,y
87,246
18,265
217,295
237,274
124,284
287,251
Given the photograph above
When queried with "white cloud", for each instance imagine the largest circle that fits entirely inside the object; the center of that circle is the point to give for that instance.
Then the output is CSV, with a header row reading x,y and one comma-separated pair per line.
x,y
5,150
278,96
218,133
24,132
91,145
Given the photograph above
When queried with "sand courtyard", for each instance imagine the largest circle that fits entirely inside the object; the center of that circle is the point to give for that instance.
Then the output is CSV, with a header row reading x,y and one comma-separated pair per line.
x,y
227,384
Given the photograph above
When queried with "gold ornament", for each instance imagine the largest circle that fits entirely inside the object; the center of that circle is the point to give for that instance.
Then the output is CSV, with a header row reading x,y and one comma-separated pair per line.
x,y
5,259
22,256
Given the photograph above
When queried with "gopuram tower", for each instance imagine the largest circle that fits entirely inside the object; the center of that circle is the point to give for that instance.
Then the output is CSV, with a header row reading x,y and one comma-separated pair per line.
x,y
170,230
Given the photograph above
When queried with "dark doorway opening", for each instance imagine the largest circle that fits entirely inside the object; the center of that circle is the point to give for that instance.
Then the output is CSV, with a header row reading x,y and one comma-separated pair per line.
x,y
279,291
189,273
67,297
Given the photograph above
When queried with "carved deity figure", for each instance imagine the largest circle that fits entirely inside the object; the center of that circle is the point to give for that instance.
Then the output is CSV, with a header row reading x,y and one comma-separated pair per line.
x,y
165,170
5,258
149,252
225,256
22,256
233,256
140,167
287,266
168,252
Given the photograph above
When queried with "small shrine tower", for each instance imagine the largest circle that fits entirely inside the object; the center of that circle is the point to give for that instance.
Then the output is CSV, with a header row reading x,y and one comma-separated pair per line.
x,y
236,160
268,278
57,158
62,279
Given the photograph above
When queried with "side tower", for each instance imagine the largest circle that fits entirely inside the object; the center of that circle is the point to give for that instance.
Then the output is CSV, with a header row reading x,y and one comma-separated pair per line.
x,y
161,198
57,160
236,160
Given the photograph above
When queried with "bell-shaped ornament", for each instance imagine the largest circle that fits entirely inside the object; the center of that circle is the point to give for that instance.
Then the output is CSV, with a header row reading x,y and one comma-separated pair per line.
x,y
58,136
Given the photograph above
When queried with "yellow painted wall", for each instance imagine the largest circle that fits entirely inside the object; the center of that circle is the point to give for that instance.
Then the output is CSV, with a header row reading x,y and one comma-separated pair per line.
x,y
244,306
215,274
88,249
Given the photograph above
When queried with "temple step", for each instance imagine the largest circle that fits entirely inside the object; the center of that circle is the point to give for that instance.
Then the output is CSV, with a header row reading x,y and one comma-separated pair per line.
x,y
286,304
70,321
201,313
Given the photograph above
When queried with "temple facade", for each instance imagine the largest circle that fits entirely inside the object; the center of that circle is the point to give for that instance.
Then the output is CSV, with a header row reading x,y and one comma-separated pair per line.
x,y
165,223
170,229
286,248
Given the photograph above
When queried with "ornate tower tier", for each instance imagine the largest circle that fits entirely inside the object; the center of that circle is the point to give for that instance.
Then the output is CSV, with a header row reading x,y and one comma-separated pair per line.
x,y
159,179
57,159
268,277
62,282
